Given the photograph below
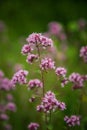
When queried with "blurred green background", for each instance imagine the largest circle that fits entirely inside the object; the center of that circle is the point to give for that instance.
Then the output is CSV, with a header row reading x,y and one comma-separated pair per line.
x,y
22,17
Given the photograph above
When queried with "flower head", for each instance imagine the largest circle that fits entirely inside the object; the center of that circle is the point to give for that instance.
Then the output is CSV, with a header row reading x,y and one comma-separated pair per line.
x,y
47,63
55,28
26,49
60,71
50,103
35,83
72,120
5,84
11,106
4,116
83,53
33,126
31,58
77,79
38,38
19,77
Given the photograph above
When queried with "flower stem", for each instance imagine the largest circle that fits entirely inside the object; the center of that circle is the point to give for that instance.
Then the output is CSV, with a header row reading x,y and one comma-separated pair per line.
x,y
46,121
42,75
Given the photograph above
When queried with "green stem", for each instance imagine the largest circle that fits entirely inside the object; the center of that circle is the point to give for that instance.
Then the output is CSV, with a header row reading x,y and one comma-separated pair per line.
x,y
42,76
46,121
50,117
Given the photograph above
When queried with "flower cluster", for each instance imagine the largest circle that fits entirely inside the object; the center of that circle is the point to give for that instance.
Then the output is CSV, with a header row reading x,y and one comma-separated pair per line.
x,y
38,38
4,116
35,83
50,103
33,126
56,29
26,49
60,71
72,120
5,83
19,77
31,58
35,42
77,79
47,63
6,101
11,106
83,53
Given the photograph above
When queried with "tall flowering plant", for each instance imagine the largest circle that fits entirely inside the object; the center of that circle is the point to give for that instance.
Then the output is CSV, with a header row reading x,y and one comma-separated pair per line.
x,y
34,50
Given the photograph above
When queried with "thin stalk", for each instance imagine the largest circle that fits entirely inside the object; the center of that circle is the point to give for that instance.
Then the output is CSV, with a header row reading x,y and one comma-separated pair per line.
x,y
42,76
50,117
46,121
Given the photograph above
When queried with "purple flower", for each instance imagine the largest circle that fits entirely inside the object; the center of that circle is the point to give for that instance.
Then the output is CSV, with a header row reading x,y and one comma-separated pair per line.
x,y
47,63
64,82
50,103
60,71
38,38
2,108
4,116
31,58
5,84
8,127
83,53
77,79
72,120
19,77
35,83
26,49
11,107
55,28
33,126
9,97
61,106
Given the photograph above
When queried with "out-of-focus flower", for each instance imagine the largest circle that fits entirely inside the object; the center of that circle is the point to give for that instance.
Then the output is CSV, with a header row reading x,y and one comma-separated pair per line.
x,y
60,71
33,126
8,127
19,77
9,97
4,116
83,53
5,84
72,120
2,108
54,28
77,79
11,106
47,63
